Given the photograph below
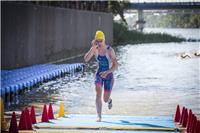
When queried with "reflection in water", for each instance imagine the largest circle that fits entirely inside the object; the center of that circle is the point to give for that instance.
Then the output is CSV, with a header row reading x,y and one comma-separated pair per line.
x,y
151,80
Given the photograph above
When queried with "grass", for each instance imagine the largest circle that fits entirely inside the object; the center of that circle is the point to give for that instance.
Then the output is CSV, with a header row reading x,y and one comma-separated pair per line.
x,y
124,36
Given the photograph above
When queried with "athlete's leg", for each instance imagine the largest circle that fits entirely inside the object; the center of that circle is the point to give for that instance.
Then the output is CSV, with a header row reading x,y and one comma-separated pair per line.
x,y
98,84
106,96
98,102
108,84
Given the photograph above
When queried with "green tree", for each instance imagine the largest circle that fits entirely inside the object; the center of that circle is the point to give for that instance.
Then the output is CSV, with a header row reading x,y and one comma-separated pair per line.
x,y
118,7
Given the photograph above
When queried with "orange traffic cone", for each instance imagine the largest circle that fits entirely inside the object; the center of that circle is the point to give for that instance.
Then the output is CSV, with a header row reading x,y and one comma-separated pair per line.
x,y
13,124
182,115
197,130
44,114
50,112
28,119
33,118
61,111
22,121
193,124
189,121
184,123
190,126
177,115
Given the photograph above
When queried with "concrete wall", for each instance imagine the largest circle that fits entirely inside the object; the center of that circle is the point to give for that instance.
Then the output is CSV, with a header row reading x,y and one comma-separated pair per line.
x,y
35,34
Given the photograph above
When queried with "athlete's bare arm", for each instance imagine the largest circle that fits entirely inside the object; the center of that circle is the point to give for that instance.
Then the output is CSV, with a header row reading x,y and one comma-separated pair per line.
x,y
114,61
91,52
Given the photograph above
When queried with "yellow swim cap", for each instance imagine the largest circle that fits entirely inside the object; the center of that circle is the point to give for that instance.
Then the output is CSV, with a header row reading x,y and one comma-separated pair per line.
x,y
99,35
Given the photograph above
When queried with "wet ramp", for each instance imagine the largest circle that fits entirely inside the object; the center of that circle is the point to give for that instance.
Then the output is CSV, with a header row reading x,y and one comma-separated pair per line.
x,y
111,123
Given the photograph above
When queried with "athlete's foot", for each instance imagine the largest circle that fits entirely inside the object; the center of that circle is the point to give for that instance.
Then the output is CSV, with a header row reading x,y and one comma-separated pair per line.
x,y
110,103
98,119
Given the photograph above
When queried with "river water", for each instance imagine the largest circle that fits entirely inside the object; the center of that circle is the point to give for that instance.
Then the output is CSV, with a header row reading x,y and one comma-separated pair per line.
x,y
186,33
151,80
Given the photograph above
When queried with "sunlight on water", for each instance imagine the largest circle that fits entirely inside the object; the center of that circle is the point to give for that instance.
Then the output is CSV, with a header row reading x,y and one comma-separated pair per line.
x,y
151,80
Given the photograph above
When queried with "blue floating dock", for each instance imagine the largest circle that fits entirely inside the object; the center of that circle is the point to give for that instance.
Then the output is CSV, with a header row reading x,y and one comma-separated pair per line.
x,y
14,80
111,123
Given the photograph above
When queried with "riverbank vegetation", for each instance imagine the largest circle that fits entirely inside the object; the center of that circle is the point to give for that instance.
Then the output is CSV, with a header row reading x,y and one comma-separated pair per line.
x,y
123,36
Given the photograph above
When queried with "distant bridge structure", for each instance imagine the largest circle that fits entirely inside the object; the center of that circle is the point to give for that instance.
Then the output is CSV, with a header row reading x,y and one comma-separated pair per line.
x,y
161,6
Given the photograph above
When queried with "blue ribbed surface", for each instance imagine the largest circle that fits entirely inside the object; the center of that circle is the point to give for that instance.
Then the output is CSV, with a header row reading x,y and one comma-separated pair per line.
x,y
18,79
86,120
113,120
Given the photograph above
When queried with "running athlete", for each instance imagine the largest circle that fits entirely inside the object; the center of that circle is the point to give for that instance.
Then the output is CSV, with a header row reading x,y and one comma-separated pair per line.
x,y
107,64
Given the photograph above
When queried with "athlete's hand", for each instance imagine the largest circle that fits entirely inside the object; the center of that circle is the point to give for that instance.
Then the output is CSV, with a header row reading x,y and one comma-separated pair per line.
x,y
94,45
104,74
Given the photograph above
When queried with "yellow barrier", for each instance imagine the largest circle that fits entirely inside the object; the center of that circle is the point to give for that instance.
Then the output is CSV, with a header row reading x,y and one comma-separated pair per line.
x,y
4,125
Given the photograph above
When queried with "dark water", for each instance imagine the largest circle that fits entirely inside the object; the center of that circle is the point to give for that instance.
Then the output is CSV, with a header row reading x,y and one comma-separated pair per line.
x,y
151,80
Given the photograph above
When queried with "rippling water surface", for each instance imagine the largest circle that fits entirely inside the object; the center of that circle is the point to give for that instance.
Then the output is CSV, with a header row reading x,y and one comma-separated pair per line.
x,y
151,80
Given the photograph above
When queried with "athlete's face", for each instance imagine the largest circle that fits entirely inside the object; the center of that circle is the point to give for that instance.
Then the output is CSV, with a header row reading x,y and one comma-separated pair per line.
x,y
99,42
